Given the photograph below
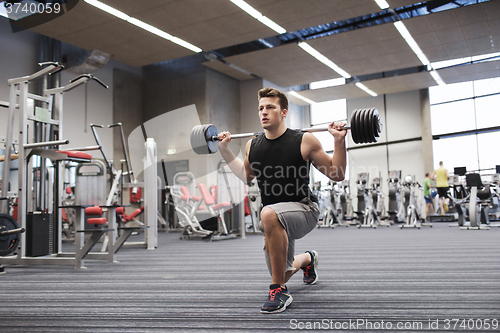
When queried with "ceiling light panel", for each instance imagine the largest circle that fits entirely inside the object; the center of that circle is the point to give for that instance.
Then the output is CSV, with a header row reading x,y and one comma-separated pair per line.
x,y
143,25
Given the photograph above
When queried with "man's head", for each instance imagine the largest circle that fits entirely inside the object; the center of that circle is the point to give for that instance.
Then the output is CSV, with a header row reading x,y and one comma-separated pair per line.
x,y
441,163
273,92
273,106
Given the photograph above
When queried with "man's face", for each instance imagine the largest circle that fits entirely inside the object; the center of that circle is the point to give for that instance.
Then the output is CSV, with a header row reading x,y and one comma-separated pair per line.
x,y
270,112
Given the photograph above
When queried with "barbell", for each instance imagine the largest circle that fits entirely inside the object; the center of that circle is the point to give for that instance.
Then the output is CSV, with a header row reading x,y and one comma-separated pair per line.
x,y
366,127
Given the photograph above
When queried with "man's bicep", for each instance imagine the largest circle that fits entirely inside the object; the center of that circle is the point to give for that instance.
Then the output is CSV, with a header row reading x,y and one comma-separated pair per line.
x,y
246,162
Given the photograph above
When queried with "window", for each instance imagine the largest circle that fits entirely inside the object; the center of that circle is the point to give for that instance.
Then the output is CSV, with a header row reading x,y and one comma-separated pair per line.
x,y
465,110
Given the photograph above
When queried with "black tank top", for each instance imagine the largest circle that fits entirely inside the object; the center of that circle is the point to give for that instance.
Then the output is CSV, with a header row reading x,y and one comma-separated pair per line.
x,y
282,174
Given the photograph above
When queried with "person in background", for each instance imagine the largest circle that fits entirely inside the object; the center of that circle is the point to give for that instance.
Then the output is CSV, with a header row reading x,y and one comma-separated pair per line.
x,y
427,194
442,176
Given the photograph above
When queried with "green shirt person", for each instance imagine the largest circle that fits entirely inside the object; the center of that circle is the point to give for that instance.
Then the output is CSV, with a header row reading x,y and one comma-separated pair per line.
x,y
427,194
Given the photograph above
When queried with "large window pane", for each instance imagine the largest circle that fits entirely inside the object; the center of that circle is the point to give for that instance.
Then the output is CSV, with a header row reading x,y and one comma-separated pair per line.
x,y
487,86
326,112
456,152
453,117
450,92
487,114
488,150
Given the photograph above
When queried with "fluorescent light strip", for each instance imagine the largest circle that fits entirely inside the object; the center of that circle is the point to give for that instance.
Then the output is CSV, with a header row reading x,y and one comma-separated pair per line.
x,y
143,25
258,16
418,51
299,96
312,51
108,9
411,42
327,83
435,75
365,89
382,4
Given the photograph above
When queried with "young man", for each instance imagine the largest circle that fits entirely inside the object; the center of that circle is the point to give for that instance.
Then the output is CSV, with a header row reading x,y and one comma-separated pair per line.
x,y
280,159
442,186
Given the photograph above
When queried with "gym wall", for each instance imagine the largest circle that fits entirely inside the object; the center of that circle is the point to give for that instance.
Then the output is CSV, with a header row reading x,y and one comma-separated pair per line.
x,y
172,85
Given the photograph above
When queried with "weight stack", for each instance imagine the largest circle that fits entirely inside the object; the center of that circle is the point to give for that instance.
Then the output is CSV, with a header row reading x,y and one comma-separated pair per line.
x,y
38,226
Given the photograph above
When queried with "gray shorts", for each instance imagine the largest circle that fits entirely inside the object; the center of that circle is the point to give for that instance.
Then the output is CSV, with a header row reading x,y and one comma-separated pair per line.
x,y
298,219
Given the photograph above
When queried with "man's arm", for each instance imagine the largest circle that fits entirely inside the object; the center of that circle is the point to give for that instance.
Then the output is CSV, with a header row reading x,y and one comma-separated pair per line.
x,y
240,168
332,167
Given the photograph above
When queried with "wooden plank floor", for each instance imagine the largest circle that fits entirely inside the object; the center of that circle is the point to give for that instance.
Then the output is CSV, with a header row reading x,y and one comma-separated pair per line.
x,y
384,278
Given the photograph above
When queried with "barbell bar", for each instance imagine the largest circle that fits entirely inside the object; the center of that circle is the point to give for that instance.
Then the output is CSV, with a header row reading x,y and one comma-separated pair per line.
x,y
365,125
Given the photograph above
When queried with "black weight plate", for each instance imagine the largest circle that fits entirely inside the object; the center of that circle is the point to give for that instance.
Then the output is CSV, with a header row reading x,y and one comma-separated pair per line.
x,y
8,243
369,126
377,124
213,146
358,129
354,132
366,126
361,125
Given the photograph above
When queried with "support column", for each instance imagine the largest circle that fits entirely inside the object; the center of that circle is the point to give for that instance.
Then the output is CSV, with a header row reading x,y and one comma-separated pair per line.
x,y
425,111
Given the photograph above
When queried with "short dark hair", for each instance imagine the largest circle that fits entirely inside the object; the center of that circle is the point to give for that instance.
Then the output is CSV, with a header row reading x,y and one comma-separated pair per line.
x,y
273,92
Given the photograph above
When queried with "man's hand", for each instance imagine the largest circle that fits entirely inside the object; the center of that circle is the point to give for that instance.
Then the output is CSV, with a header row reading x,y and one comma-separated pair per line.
x,y
336,129
224,139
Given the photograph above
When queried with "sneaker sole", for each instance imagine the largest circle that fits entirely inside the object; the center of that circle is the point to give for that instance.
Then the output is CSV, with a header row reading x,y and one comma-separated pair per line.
x,y
287,304
316,256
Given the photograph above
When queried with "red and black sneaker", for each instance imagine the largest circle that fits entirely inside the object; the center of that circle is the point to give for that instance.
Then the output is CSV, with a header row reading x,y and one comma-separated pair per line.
x,y
277,300
310,274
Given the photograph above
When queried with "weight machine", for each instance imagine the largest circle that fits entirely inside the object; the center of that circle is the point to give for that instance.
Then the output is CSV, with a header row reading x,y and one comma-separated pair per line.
x,y
39,189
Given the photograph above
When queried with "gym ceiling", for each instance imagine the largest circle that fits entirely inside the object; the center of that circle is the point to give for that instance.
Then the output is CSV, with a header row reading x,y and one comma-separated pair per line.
x,y
357,35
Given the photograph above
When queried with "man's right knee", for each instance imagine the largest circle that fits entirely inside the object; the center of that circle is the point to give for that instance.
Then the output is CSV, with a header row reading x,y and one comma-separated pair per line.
x,y
268,218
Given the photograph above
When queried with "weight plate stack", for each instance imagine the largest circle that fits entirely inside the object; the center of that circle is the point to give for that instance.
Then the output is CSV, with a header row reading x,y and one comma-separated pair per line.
x,y
8,243
197,139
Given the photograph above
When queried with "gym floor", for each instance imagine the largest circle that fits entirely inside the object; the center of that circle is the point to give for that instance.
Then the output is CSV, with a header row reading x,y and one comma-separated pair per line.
x,y
369,279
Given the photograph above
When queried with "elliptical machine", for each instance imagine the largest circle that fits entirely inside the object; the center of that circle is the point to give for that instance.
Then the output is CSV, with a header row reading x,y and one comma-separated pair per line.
x,y
413,216
394,206
370,216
